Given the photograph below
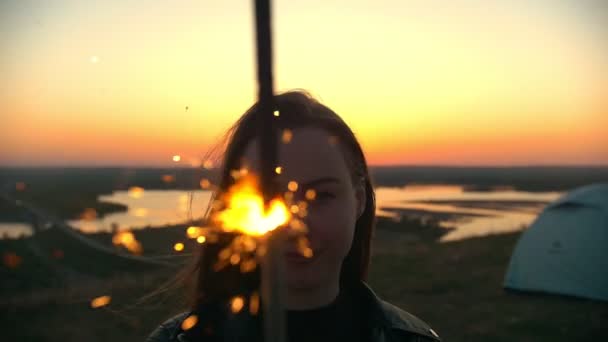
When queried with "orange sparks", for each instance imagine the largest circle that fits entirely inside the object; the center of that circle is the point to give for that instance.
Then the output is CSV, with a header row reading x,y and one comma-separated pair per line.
x,y
201,239
236,304
292,186
194,232
304,248
205,183
189,322
127,239
310,194
307,253
100,301
287,136
297,226
178,247
288,196
225,254
20,186
254,304
245,212
248,265
303,205
235,259
294,209
177,158
11,260
278,170
136,192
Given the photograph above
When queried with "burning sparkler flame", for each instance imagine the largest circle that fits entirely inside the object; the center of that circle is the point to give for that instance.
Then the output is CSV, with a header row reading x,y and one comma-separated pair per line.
x,y
244,211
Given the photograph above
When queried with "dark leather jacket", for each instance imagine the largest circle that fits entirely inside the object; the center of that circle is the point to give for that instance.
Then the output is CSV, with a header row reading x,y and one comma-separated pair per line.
x,y
388,324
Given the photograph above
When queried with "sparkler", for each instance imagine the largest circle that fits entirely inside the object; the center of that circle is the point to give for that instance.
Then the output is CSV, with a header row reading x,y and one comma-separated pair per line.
x,y
248,215
273,274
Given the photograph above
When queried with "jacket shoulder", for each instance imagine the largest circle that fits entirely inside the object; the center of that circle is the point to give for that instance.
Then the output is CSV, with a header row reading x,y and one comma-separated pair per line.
x,y
406,322
167,330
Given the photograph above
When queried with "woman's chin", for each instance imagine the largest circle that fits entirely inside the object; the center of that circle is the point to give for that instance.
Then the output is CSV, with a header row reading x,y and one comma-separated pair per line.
x,y
301,276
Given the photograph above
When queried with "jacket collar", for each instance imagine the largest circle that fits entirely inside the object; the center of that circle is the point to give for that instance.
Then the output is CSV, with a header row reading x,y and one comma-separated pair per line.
x,y
383,316
389,317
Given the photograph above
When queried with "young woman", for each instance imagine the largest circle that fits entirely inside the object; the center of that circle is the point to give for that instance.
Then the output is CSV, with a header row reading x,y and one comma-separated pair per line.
x,y
327,298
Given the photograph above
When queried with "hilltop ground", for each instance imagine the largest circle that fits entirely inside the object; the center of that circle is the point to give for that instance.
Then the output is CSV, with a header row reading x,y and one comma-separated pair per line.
x,y
456,287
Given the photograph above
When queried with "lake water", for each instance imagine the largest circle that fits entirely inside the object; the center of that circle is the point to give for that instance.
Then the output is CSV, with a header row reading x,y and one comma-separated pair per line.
x,y
470,213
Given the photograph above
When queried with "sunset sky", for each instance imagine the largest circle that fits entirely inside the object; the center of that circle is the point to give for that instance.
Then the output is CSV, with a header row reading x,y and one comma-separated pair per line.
x,y
462,82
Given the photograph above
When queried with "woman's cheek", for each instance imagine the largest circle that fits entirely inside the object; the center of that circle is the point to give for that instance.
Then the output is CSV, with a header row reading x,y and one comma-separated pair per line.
x,y
331,226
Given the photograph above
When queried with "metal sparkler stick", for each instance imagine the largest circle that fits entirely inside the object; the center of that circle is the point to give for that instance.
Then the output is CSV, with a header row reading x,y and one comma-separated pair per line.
x,y
272,287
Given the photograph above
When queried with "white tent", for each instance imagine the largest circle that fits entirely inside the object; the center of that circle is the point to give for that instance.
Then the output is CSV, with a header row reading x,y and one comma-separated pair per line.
x,y
565,250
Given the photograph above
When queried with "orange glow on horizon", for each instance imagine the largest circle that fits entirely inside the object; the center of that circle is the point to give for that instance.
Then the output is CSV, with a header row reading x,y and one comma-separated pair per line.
x,y
498,83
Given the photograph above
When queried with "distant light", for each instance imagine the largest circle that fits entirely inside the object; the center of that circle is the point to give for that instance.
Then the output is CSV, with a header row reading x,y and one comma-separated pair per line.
x,y
292,186
178,247
94,59
201,239
177,158
100,301
276,113
310,194
278,170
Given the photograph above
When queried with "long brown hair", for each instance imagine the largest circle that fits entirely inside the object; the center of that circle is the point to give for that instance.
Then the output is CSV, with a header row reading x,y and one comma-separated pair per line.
x,y
297,109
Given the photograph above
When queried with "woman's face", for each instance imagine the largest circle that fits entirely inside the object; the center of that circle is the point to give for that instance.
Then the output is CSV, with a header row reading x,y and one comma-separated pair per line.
x,y
311,160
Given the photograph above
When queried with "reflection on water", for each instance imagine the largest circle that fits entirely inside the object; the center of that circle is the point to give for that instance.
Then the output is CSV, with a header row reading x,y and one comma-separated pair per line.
x,y
469,213
14,230
150,208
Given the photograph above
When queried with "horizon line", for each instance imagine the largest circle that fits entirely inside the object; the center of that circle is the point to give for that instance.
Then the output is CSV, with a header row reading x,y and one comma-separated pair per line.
x,y
475,166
